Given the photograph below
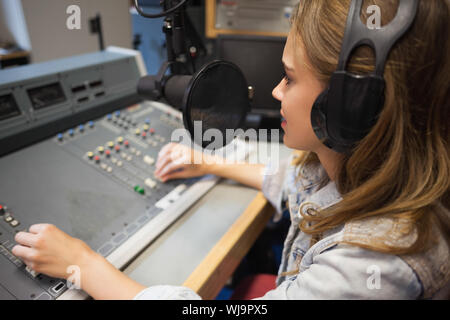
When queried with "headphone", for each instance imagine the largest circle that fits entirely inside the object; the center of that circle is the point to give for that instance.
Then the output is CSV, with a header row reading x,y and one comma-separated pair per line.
x,y
344,113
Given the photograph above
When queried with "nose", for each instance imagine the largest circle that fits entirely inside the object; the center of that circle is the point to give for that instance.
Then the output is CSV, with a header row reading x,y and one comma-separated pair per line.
x,y
277,93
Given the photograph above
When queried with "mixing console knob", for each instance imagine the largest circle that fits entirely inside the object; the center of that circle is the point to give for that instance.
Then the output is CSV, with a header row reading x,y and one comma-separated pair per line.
x,y
126,143
108,153
139,190
90,155
117,148
138,132
101,149
146,127
97,159
144,135
14,223
149,160
111,144
152,131
120,140
150,183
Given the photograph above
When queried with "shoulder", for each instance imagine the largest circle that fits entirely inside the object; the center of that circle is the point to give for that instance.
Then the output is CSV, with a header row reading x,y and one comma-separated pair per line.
x,y
347,272
432,266
360,273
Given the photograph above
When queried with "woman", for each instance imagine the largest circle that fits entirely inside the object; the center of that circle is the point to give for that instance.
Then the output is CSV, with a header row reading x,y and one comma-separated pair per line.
x,y
372,223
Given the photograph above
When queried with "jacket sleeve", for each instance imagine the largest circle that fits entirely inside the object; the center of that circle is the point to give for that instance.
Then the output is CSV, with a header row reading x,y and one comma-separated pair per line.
x,y
274,185
349,272
163,292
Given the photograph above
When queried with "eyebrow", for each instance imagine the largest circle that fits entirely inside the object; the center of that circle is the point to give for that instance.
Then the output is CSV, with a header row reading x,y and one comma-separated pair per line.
x,y
287,67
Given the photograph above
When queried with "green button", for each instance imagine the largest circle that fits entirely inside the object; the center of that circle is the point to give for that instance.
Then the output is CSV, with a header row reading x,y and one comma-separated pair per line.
x,y
139,190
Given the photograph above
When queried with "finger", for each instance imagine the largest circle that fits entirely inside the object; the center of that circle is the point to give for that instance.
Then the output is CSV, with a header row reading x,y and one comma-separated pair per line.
x,y
38,228
26,239
23,253
166,149
171,167
177,156
162,157
177,174
162,164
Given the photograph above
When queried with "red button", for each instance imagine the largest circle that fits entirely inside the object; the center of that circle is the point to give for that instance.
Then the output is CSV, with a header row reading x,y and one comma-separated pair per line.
x,y
117,148
144,134
152,131
97,159
127,143
108,153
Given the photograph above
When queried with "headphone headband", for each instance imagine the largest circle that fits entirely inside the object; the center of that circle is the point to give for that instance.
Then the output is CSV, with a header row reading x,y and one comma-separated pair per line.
x,y
381,40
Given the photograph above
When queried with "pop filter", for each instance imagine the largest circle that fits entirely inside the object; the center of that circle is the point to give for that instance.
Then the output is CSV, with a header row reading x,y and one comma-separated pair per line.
x,y
214,100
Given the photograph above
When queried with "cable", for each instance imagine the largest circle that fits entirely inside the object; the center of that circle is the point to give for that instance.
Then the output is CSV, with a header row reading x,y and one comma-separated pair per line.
x,y
158,15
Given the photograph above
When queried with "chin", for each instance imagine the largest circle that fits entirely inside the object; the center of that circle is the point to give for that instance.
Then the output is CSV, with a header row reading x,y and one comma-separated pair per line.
x,y
295,146
287,143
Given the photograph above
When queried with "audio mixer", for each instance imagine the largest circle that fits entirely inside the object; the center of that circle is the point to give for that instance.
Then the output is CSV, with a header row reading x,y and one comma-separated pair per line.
x,y
78,150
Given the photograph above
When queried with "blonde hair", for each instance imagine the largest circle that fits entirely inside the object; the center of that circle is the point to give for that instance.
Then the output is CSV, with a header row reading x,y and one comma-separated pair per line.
x,y
402,167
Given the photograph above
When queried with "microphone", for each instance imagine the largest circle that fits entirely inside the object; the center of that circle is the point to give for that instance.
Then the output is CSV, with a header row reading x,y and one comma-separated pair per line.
x,y
214,100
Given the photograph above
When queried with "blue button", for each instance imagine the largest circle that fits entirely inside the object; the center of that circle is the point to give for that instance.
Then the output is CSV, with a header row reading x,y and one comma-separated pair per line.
x,y
71,132
91,124
81,128
147,121
117,113
109,116
60,136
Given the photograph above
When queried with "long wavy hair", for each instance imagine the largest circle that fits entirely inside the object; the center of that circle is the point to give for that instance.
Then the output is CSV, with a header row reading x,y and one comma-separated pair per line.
x,y
402,167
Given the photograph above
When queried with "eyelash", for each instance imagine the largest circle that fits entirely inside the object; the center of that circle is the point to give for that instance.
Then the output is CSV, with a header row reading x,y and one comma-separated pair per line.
x,y
286,77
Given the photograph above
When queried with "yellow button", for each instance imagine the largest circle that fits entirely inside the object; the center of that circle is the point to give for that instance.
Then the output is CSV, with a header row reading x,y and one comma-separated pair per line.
x,y
90,155
120,140
111,144
138,132
146,127
101,149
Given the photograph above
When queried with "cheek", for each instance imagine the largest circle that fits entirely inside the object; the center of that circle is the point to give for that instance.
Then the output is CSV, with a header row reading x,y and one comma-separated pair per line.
x,y
299,133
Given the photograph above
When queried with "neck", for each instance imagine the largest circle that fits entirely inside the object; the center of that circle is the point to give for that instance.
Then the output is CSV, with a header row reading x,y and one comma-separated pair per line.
x,y
330,160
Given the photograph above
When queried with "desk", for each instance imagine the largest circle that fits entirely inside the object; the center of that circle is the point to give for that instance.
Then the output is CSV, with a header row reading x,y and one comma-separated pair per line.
x,y
202,249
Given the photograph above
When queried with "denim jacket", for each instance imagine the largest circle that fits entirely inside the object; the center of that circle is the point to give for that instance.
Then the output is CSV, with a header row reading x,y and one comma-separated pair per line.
x,y
327,269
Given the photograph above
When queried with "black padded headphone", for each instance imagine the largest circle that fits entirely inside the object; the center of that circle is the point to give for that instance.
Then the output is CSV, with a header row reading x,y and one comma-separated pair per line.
x,y
345,112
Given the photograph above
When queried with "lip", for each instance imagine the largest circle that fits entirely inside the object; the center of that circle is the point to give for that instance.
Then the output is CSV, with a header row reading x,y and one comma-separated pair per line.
x,y
283,117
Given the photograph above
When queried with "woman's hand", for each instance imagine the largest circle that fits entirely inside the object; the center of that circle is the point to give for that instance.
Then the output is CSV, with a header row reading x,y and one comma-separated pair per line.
x,y
176,161
46,249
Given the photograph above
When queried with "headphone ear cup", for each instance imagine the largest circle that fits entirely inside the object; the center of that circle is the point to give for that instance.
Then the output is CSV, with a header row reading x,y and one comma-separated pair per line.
x,y
319,116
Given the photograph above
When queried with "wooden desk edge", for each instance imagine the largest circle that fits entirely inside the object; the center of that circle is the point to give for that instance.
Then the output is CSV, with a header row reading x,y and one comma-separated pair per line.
x,y
213,272
14,55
